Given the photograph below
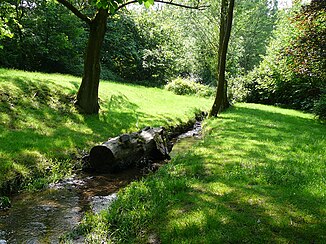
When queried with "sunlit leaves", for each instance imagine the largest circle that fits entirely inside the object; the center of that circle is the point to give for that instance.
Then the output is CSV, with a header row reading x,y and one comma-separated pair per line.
x,y
148,3
6,16
4,29
113,5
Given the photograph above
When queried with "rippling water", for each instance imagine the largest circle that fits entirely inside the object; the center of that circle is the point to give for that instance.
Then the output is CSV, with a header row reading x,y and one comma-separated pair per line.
x,y
42,217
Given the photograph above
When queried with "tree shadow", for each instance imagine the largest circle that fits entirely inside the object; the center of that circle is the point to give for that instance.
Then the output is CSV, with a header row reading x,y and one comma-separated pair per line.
x,y
251,180
39,124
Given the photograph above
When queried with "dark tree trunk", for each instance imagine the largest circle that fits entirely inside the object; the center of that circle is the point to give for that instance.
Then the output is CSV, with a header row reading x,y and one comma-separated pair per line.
x,y
87,97
225,32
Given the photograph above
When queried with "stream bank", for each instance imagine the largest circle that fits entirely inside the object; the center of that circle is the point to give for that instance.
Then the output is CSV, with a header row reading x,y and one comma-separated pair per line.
x,y
43,216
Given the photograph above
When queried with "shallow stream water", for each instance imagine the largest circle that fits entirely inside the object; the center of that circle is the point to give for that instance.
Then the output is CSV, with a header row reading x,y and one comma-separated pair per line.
x,y
42,217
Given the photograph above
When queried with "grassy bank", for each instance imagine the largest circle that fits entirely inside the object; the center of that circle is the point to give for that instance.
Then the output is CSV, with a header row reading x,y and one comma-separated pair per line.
x,y
257,176
41,133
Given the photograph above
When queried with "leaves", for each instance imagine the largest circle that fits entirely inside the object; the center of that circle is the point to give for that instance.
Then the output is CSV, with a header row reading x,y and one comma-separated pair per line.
x,y
113,5
7,13
148,3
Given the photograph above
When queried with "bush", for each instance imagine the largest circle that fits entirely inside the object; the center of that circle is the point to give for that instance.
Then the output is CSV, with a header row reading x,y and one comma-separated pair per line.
x,y
320,107
187,87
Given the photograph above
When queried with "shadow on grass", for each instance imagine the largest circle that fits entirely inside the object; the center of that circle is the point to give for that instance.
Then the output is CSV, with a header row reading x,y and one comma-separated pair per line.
x,y
39,123
258,176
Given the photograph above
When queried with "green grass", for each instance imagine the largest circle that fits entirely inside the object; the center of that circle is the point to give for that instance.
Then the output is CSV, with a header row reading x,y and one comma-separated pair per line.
x,y
258,176
41,132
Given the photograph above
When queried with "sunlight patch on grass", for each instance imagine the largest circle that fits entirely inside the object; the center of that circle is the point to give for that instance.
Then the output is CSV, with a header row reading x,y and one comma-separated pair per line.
x,y
257,176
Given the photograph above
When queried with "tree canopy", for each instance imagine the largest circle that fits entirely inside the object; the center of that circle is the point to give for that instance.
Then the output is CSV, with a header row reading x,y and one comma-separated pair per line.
x,y
271,51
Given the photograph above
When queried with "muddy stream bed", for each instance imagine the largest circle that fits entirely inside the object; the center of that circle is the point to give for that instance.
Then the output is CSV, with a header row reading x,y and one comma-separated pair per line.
x,y
42,217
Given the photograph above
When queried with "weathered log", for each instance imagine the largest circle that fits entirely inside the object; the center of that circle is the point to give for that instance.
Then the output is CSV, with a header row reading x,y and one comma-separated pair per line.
x,y
155,146
128,149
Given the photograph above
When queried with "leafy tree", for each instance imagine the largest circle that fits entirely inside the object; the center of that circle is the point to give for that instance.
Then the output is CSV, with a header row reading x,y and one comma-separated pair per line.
x,y
100,10
46,37
251,30
292,73
253,25
306,54
141,45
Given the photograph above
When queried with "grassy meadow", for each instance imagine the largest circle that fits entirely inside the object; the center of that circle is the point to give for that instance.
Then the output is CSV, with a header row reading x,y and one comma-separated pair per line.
x,y
41,133
258,176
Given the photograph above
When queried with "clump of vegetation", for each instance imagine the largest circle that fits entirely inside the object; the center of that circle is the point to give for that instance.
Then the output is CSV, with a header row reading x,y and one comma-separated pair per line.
x,y
181,86
4,202
320,107
292,73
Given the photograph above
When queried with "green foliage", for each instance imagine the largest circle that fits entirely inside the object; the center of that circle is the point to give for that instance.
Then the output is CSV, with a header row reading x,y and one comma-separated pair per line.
x,y
320,107
4,202
113,5
306,53
152,45
160,46
47,37
292,73
251,31
120,49
6,16
182,86
248,175
43,135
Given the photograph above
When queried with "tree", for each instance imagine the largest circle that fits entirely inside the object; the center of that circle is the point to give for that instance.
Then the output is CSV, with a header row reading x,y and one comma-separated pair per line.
x,y
87,96
252,28
292,73
221,102
45,37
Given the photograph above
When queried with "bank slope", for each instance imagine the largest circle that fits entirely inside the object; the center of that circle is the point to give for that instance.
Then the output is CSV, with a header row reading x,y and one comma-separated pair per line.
x,y
41,132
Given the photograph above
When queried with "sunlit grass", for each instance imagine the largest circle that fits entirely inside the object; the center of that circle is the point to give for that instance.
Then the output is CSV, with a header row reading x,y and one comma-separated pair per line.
x,y
258,176
40,127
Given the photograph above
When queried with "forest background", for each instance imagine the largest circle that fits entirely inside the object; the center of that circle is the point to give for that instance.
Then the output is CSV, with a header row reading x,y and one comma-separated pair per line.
x,y
276,55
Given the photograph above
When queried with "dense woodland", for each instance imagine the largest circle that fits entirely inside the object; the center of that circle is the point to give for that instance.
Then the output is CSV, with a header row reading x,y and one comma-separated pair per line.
x,y
276,56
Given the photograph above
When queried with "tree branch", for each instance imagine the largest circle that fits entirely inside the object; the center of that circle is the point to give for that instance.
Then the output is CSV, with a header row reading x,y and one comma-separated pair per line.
x,y
198,7
73,9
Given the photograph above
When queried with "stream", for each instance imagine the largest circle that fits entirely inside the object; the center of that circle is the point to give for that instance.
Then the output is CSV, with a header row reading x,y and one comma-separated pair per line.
x,y
42,217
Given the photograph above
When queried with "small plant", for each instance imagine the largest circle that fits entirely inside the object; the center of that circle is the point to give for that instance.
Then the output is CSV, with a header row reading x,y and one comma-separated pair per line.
x,y
182,86
5,202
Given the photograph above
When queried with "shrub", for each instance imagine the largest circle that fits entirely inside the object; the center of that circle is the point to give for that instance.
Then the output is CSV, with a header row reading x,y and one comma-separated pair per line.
x,y
182,86
320,107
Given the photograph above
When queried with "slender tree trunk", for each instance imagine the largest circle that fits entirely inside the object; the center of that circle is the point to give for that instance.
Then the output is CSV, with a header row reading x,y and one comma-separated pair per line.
x,y
87,97
225,32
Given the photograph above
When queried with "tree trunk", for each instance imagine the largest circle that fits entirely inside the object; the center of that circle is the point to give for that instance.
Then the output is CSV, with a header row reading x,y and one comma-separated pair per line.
x,y
226,102
87,97
225,32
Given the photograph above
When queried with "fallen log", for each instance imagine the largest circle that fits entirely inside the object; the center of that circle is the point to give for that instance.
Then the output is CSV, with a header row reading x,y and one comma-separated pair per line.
x,y
128,149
